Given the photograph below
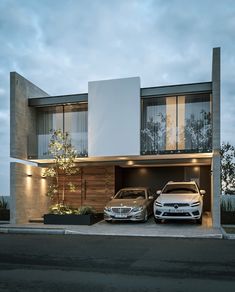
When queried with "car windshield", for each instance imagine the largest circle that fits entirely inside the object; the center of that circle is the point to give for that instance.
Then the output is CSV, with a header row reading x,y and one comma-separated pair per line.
x,y
180,188
130,194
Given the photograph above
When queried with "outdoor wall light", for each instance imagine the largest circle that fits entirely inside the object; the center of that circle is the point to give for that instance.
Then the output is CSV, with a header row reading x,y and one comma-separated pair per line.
x,y
130,162
196,168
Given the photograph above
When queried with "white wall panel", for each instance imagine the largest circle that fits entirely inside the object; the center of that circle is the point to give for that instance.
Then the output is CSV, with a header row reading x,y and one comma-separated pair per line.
x,y
114,117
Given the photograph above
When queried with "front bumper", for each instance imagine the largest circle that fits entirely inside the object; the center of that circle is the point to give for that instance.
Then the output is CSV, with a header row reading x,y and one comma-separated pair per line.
x,y
131,216
187,213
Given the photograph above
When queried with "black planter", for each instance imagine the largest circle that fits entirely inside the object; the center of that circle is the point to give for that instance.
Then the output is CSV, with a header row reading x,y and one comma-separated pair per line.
x,y
71,219
227,217
4,214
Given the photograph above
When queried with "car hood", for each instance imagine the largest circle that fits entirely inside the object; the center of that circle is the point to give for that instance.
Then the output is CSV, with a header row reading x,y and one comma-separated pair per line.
x,y
126,203
178,198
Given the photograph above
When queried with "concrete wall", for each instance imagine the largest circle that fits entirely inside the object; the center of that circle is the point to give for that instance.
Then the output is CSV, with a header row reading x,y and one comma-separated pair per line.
x,y
215,181
28,198
114,117
22,118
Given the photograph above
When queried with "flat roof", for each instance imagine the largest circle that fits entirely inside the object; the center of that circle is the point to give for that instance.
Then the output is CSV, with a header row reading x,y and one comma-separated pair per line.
x,y
147,92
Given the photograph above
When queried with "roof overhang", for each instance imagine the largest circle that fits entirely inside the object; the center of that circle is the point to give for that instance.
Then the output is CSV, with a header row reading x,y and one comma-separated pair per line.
x,y
148,92
195,159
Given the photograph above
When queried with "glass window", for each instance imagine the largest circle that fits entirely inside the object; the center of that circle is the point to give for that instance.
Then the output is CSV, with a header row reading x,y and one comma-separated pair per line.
x,y
179,188
47,119
176,124
153,132
75,121
198,129
71,118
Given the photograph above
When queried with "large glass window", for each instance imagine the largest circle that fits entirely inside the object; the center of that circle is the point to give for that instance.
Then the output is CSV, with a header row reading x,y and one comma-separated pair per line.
x,y
75,122
176,124
70,118
198,126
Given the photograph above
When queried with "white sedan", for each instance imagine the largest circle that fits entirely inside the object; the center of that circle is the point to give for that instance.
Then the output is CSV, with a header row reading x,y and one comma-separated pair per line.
x,y
179,200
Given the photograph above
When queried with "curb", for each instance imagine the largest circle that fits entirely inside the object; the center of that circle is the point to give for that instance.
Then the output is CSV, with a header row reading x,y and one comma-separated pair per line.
x,y
55,231
218,236
227,235
22,230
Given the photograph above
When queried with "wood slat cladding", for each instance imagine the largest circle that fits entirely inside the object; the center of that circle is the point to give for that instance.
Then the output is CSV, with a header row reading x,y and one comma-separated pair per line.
x,y
94,187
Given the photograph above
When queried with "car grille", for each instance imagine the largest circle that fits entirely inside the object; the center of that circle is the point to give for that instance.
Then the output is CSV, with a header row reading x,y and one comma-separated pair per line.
x,y
121,210
185,214
178,204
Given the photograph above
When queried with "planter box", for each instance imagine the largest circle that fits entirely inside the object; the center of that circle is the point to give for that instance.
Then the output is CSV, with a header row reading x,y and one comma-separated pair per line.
x,y
71,219
227,217
4,214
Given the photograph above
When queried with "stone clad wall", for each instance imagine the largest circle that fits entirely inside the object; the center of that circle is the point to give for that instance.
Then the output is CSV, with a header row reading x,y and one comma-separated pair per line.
x,y
28,198
95,186
22,117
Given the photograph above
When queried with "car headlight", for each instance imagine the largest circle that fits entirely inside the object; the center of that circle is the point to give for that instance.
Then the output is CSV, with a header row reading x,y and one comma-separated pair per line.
x,y
195,204
108,209
158,204
136,209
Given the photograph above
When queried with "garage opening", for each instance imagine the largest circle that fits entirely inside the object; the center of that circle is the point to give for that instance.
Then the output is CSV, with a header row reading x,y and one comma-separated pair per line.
x,y
157,177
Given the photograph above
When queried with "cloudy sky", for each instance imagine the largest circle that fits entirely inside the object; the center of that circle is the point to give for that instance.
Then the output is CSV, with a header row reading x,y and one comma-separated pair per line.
x,y
60,45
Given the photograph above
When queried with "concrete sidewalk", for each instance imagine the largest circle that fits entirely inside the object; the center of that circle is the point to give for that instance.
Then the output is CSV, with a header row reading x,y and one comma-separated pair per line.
x,y
149,229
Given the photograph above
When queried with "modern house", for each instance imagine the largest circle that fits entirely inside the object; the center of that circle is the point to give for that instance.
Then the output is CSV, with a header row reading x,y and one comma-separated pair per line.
x,y
125,135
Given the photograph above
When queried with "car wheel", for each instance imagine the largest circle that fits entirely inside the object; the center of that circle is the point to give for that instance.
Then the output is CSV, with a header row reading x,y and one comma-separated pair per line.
x,y
145,216
199,221
157,220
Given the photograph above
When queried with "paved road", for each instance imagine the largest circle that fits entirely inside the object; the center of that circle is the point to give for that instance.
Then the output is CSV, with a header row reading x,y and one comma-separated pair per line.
x,y
96,263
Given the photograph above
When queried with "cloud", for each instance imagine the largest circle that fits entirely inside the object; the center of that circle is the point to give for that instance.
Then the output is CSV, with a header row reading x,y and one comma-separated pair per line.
x,y
61,45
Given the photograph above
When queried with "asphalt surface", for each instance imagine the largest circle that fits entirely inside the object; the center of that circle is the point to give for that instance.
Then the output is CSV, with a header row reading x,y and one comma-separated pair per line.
x,y
97,263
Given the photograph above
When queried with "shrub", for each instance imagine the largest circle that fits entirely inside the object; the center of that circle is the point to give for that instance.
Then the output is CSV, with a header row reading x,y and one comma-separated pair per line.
x,y
86,210
228,203
3,203
62,209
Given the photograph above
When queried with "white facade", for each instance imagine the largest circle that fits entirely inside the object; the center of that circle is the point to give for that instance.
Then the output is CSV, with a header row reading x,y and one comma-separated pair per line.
x,y
114,117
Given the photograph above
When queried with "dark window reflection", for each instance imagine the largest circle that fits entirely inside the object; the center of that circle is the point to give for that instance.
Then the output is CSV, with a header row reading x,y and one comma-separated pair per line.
x,y
71,118
176,124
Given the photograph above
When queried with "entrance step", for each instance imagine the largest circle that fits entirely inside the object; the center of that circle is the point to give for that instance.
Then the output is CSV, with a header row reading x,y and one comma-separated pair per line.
x,y
36,220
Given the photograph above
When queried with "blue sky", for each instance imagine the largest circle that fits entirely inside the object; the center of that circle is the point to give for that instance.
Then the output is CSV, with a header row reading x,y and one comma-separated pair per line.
x,y
61,45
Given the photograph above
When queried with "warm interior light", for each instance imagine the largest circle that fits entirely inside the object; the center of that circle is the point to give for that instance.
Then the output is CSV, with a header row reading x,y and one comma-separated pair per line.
x,y
143,170
122,158
130,162
194,160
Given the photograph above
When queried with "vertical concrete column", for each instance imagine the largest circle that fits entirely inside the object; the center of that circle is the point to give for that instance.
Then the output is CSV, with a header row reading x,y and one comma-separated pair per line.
x,y
215,181
22,117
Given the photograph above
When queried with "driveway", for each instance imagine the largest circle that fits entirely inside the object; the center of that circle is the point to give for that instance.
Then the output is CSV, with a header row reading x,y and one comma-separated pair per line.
x,y
182,229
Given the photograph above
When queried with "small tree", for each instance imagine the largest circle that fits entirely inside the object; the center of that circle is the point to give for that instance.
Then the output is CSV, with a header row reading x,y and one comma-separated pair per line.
x,y
227,168
64,156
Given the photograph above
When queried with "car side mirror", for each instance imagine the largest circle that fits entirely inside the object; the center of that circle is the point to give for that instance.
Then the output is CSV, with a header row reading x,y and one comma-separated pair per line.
x,y
202,192
158,192
150,197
